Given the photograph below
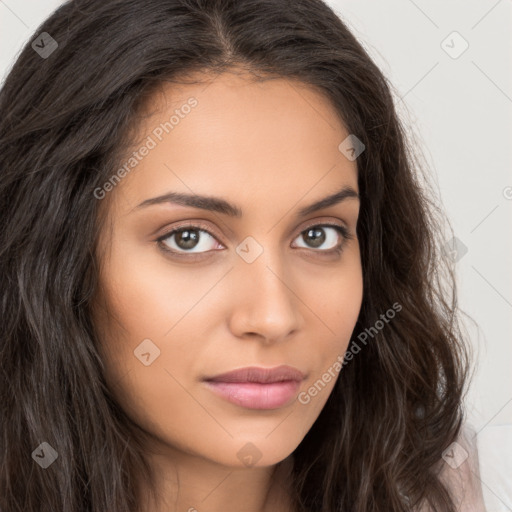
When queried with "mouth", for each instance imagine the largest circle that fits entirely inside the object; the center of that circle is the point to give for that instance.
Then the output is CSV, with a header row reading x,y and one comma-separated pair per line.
x,y
258,388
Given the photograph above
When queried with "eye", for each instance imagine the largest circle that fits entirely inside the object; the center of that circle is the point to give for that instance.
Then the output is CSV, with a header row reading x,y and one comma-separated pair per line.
x,y
325,234
188,239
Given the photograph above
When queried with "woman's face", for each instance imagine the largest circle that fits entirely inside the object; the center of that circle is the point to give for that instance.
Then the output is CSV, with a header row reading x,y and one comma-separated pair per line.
x,y
258,288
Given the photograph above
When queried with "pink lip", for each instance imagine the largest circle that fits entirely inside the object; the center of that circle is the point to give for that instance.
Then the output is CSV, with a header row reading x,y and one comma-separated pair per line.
x,y
258,388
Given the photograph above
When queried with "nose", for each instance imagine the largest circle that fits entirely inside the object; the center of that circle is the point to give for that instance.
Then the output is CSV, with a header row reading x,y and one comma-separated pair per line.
x,y
265,304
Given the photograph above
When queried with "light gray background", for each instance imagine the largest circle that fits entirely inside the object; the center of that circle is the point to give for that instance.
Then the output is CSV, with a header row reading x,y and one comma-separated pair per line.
x,y
460,111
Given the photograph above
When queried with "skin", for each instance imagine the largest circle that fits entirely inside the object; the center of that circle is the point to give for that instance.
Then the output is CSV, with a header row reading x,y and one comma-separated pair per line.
x,y
271,148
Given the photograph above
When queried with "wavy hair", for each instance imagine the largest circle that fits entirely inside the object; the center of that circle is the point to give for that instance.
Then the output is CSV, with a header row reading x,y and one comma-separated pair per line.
x,y
377,443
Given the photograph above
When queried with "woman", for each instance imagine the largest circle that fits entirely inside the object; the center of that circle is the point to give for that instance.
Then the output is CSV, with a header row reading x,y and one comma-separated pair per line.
x,y
221,282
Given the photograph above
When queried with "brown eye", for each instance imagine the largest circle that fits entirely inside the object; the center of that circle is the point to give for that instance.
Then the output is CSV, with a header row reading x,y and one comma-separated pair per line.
x,y
326,237
188,239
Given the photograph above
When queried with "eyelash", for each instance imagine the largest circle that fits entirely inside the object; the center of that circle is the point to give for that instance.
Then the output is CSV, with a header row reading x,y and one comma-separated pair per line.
x,y
342,230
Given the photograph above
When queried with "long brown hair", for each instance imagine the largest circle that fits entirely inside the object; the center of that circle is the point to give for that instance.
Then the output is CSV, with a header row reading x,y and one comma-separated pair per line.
x,y
377,443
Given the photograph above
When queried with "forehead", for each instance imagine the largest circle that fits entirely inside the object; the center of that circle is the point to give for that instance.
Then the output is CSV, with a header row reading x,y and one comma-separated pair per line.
x,y
230,135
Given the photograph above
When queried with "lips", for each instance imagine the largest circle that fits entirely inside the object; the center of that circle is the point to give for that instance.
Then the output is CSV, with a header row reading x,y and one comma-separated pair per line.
x,y
260,375
258,388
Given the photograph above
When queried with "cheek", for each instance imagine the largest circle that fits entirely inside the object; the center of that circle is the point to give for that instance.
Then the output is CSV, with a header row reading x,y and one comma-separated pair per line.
x,y
159,309
151,349
326,358
149,294
336,302
335,297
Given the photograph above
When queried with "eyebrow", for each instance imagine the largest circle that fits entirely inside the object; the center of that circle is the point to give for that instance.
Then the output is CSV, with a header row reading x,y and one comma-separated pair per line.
x,y
219,205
